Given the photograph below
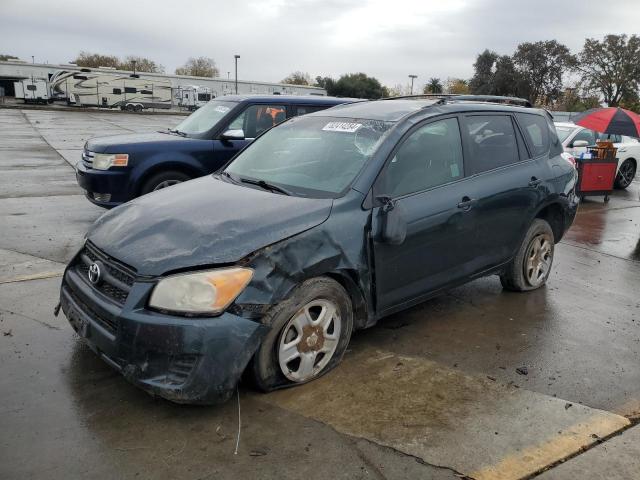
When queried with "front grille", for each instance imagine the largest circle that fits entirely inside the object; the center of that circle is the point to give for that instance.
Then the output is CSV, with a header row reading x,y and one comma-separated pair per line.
x,y
117,279
87,158
107,323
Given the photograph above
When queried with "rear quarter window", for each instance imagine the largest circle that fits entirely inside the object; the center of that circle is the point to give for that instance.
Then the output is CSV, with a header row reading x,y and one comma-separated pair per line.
x,y
537,133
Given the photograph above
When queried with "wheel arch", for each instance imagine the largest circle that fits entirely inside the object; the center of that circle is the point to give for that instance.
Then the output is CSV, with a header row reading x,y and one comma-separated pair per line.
x,y
553,214
185,168
348,280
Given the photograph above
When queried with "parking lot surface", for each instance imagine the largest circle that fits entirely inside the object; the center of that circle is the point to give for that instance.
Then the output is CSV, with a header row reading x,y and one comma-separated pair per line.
x,y
479,382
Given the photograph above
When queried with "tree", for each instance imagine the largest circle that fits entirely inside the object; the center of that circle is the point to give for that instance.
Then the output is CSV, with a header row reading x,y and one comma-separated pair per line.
x,y
199,67
142,65
611,66
542,66
457,86
507,80
297,78
4,58
574,100
397,91
95,60
434,86
357,85
484,67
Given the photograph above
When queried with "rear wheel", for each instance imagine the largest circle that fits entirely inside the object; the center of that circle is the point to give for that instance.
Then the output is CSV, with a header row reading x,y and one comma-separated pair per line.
x,y
138,108
309,334
129,107
531,266
626,174
163,180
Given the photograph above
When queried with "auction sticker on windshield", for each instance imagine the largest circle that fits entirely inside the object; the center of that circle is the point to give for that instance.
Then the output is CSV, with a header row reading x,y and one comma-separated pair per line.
x,y
222,109
346,127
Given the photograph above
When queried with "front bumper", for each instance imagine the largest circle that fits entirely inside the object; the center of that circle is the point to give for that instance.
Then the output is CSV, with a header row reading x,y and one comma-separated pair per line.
x,y
111,182
185,360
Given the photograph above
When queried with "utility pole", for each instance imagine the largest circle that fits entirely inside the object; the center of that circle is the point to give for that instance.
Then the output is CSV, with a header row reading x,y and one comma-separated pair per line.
x,y
33,59
236,57
133,62
412,77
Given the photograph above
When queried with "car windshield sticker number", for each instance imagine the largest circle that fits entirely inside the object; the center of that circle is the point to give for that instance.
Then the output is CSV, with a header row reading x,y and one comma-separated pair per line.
x,y
344,127
222,109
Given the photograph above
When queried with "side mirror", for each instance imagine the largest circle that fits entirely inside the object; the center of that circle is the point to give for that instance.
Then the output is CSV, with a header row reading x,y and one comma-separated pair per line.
x,y
580,144
392,220
233,135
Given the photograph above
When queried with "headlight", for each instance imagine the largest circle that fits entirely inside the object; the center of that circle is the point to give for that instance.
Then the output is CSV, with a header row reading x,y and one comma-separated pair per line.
x,y
210,291
104,161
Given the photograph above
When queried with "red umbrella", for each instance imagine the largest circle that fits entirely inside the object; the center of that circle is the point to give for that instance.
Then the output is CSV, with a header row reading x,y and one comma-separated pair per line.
x,y
612,121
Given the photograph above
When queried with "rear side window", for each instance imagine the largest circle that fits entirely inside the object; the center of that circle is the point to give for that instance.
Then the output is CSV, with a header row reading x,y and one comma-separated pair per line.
x,y
492,141
430,156
536,131
304,109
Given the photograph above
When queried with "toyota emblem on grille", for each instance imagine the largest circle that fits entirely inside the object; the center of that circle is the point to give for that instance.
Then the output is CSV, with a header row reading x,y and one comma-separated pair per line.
x,y
94,273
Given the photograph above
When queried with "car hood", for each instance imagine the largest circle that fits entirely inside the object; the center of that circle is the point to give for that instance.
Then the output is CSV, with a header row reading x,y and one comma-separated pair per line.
x,y
206,221
125,143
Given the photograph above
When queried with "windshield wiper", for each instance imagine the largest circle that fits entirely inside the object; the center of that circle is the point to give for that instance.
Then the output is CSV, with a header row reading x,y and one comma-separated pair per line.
x,y
265,185
177,132
229,176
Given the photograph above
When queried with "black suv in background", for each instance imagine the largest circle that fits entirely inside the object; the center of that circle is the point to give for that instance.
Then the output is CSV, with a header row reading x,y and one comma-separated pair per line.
x,y
118,168
325,224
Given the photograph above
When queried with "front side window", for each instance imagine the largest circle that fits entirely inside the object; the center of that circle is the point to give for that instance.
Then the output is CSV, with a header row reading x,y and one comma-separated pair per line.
x,y
492,142
206,117
304,109
536,130
258,118
311,156
587,135
428,157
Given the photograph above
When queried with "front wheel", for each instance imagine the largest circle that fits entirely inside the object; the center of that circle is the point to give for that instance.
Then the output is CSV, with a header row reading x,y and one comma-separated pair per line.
x,y
309,334
163,180
531,266
626,174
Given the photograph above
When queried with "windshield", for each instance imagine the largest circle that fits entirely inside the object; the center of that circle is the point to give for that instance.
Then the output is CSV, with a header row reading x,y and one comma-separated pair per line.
x,y
563,133
203,119
311,156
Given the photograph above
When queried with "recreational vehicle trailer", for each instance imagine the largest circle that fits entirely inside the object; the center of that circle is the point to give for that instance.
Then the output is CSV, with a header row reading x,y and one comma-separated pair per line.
x,y
98,89
193,97
33,90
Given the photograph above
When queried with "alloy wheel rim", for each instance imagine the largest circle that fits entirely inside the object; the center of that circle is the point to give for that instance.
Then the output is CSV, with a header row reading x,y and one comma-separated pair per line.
x,y
538,260
166,183
309,340
626,172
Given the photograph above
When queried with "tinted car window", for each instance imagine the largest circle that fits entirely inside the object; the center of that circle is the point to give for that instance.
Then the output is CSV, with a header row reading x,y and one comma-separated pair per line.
x,y
430,156
585,134
610,138
304,109
258,118
536,131
492,141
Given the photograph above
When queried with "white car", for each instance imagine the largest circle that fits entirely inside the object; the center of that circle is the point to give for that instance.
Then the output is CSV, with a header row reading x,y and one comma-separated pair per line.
x,y
575,140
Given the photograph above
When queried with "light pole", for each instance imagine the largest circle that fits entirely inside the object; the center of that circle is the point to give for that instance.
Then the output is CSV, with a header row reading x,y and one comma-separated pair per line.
x,y
33,59
236,57
412,77
133,62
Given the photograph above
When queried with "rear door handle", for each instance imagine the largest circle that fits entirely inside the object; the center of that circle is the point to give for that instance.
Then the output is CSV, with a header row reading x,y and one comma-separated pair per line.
x,y
535,182
466,203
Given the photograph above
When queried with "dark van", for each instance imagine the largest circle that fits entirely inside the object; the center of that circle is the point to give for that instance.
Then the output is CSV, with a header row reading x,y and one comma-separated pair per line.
x,y
322,226
118,168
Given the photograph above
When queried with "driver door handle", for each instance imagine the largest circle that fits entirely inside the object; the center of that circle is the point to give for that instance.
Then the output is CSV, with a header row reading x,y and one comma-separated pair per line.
x,y
535,182
466,203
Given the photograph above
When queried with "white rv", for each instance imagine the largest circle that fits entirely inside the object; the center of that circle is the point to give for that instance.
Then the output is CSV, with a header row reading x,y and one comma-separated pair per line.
x,y
110,90
193,97
33,90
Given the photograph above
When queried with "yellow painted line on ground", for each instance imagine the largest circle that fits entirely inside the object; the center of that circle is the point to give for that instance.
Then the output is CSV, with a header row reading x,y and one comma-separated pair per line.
x,y
562,445
35,276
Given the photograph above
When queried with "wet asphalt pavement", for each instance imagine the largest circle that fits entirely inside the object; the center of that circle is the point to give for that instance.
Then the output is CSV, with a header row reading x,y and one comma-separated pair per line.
x,y
477,382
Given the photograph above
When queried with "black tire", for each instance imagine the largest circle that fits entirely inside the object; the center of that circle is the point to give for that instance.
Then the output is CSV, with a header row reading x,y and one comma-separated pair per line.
x,y
137,108
518,276
169,177
626,174
265,368
129,108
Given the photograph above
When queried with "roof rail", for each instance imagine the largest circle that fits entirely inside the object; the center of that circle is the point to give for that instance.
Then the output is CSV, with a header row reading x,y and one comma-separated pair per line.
x,y
452,97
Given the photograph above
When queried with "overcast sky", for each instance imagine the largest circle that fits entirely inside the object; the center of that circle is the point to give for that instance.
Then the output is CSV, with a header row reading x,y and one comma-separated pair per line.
x,y
387,39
